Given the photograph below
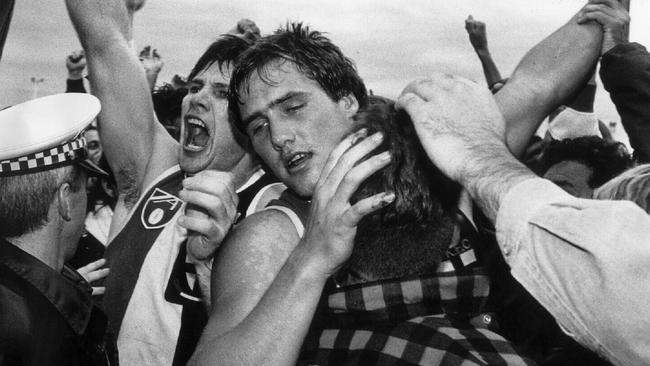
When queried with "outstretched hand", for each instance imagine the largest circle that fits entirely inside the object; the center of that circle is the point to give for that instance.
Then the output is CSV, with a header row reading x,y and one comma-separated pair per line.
x,y
477,34
454,118
211,211
75,63
612,16
333,221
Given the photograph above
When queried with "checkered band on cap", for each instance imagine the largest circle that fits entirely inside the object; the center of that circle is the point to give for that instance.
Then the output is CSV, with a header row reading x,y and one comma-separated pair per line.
x,y
65,154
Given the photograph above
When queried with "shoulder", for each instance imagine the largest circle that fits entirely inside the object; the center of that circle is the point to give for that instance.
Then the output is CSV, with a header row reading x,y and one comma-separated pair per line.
x,y
261,234
15,310
254,252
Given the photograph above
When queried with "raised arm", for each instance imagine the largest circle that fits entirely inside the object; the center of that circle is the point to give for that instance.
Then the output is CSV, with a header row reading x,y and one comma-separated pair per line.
x,y
544,233
76,64
478,39
548,75
625,72
137,148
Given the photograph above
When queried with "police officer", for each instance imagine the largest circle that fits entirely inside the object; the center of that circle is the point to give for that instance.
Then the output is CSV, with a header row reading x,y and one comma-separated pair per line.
x,y
47,316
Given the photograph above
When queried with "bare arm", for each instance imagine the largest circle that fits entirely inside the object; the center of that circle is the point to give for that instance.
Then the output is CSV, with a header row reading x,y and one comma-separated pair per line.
x,y
138,149
244,270
478,39
549,74
270,331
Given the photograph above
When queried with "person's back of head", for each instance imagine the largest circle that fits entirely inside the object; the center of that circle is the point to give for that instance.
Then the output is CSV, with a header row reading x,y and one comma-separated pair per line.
x,y
43,173
312,53
632,185
585,162
410,236
25,199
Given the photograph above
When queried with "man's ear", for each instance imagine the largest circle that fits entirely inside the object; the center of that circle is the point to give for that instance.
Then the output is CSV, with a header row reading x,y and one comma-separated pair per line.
x,y
64,199
350,105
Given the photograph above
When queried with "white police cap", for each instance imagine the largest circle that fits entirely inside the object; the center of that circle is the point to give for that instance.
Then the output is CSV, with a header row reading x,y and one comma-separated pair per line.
x,y
46,133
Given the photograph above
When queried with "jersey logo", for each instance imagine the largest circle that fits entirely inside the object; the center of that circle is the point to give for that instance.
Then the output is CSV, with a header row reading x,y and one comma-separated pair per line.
x,y
159,209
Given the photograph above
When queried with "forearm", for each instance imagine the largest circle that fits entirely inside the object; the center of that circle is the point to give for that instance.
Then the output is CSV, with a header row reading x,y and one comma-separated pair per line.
x,y
152,77
126,123
273,332
549,74
490,70
75,85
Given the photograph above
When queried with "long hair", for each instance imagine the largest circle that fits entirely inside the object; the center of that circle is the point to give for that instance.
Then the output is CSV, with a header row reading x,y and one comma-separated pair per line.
x,y
410,236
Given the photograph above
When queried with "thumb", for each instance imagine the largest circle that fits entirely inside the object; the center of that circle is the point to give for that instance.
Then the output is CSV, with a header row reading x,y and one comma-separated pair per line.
x,y
409,102
470,17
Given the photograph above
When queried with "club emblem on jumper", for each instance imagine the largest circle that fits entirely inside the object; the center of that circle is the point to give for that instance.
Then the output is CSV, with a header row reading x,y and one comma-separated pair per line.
x,y
159,209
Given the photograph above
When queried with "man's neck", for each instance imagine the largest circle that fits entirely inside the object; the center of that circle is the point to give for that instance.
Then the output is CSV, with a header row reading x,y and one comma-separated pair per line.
x,y
244,168
42,244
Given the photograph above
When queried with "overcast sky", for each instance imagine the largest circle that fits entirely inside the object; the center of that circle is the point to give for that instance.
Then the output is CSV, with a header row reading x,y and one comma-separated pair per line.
x,y
391,41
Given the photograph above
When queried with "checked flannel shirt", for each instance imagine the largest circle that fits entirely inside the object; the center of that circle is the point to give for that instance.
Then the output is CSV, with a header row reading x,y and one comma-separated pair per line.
x,y
417,321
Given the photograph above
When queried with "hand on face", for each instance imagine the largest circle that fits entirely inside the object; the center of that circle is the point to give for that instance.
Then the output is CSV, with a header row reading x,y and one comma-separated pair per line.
x,y
612,16
332,222
211,211
454,118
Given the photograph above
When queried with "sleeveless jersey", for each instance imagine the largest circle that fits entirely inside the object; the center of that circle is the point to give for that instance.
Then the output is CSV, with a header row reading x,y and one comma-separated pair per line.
x,y
150,291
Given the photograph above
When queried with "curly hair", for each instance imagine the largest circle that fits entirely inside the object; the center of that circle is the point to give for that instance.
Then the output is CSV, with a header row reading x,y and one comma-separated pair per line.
x,y
312,53
606,159
410,236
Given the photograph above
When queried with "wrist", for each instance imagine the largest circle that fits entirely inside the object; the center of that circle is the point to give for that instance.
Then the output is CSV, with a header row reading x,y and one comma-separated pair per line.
x,y
309,265
490,173
75,75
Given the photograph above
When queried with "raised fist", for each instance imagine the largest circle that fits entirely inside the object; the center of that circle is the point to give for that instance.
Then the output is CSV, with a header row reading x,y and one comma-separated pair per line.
x,y
151,60
477,35
75,63
246,28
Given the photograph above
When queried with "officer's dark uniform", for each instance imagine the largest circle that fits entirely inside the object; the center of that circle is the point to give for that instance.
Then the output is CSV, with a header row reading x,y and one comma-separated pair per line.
x,y
48,318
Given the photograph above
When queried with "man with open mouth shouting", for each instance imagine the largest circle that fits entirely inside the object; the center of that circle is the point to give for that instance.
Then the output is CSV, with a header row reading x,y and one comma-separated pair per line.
x,y
176,202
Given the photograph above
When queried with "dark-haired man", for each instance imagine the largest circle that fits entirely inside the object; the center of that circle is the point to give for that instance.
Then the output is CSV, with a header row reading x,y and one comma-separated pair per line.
x,y
296,96
583,164
152,300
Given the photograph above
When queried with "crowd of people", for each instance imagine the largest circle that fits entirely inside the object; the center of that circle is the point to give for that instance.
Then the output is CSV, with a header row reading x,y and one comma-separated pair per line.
x,y
267,209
